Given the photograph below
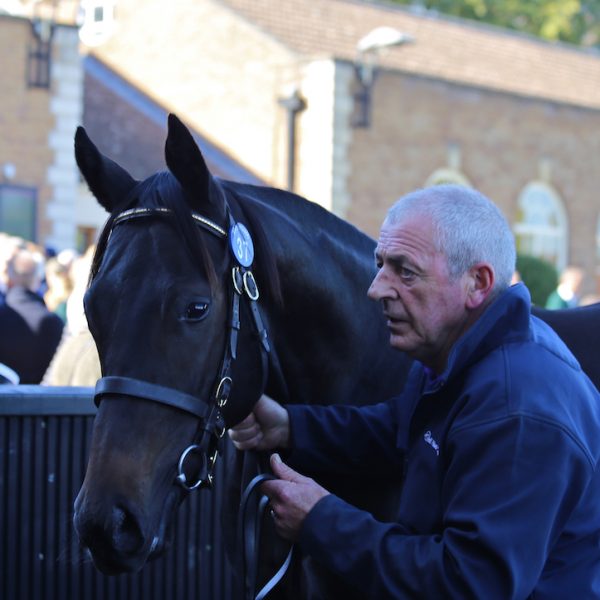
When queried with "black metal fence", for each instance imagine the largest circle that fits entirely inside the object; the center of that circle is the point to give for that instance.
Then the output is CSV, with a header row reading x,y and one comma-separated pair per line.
x,y
44,443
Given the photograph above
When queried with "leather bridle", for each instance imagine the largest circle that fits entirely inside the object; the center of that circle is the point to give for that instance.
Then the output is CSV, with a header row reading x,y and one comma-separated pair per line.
x,y
209,412
212,424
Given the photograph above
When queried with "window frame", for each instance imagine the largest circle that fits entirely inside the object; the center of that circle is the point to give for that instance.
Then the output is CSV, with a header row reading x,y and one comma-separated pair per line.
x,y
26,193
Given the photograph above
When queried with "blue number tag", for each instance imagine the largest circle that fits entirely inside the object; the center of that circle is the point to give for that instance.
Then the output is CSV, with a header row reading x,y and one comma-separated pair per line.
x,y
241,244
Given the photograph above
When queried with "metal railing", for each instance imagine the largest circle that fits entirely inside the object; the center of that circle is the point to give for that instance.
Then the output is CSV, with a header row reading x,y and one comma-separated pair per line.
x,y
45,434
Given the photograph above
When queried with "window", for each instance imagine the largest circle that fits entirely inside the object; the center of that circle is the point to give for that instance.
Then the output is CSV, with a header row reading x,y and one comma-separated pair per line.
x,y
38,63
18,207
541,225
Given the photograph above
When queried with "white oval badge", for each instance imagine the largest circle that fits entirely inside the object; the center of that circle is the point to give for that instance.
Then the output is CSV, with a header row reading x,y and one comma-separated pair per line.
x,y
241,244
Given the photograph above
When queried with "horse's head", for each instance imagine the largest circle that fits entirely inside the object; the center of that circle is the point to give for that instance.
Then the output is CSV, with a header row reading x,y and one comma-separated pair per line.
x,y
167,282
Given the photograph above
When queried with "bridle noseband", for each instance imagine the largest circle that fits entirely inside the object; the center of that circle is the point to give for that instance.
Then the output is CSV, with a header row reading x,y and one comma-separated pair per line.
x,y
212,428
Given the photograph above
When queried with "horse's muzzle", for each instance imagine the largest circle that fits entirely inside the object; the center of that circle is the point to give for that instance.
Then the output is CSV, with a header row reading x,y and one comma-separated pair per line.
x,y
114,537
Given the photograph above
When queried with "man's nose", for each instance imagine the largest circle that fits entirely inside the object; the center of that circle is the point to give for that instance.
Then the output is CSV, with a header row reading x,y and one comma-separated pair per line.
x,y
376,289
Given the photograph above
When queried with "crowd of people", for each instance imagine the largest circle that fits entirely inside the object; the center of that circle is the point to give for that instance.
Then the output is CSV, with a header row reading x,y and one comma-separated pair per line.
x,y
45,338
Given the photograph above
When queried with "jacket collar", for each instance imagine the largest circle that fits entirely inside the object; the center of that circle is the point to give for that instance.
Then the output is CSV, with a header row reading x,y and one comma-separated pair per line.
x,y
506,319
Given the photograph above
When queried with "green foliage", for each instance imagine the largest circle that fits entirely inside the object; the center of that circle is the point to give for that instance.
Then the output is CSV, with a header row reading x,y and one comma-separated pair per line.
x,y
573,21
539,276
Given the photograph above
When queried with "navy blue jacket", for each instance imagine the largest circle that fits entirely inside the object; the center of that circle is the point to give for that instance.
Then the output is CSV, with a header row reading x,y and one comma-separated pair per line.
x,y
499,455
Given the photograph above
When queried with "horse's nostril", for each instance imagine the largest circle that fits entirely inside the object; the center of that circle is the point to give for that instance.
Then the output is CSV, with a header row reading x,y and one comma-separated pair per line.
x,y
127,536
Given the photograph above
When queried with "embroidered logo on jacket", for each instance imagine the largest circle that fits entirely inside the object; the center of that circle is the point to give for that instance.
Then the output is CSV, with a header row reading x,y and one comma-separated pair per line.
x,y
429,439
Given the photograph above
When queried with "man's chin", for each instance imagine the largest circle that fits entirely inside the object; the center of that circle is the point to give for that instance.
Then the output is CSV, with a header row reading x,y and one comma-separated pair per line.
x,y
403,342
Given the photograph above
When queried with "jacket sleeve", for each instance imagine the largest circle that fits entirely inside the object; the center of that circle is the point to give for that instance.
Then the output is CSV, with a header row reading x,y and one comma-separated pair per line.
x,y
343,439
502,512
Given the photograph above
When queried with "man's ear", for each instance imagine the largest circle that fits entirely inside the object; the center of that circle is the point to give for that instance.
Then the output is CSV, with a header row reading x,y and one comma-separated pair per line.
x,y
480,284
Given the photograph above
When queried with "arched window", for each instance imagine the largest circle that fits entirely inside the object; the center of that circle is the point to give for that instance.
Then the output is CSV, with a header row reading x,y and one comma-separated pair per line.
x,y
541,225
447,175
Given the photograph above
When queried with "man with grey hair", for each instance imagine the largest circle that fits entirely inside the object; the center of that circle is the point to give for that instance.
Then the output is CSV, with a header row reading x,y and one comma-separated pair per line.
x,y
30,333
496,436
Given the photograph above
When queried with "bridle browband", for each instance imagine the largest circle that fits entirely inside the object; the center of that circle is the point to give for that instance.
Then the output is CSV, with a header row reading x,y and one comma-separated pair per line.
x,y
200,220
212,424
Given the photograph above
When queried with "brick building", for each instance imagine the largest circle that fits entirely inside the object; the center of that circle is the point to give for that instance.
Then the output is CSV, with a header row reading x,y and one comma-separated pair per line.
x,y
512,115
40,106
507,113
49,87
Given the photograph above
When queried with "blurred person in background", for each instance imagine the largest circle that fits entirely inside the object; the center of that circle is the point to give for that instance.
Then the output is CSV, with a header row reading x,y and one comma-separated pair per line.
x,y
30,332
566,295
76,361
9,244
58,287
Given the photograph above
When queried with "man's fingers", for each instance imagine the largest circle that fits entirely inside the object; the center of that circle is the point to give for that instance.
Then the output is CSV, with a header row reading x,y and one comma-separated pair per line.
x,y
250,444
283,471
245,429
246,438
244,433
249,421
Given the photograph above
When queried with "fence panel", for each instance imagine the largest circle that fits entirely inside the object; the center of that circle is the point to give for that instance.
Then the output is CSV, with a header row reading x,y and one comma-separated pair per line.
x,y
45,434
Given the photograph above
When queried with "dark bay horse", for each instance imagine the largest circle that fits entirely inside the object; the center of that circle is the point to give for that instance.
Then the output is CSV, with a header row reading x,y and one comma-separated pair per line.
x,y
580,329
204,293
160,309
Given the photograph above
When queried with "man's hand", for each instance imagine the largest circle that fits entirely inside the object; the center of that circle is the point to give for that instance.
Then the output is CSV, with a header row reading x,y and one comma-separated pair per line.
x,y
291,498
265,428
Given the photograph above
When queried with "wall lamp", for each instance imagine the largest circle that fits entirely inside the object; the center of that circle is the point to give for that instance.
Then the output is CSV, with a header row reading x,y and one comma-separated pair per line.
x,y
43,23
368,51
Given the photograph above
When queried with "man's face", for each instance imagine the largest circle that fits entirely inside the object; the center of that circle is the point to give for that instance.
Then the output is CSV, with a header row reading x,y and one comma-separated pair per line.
x,y
426,311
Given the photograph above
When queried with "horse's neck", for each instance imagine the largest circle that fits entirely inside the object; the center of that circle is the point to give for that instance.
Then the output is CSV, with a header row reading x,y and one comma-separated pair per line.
x,y
330,340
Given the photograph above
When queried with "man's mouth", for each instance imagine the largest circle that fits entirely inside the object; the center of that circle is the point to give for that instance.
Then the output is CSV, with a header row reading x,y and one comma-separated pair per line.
x,y
395,322
394,318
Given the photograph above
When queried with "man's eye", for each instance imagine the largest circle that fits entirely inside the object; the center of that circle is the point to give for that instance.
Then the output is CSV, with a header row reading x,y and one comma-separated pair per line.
x,y
406,274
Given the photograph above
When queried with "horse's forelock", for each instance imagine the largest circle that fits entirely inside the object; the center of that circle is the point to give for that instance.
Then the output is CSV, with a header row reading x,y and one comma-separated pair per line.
x,y
169,193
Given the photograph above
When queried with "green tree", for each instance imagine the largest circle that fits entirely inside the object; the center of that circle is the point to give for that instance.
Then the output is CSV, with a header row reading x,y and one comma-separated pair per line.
x,y
539,276
573,21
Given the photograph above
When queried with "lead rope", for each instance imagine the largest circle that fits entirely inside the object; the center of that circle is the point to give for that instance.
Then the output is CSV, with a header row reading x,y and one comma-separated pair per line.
x,y
250,524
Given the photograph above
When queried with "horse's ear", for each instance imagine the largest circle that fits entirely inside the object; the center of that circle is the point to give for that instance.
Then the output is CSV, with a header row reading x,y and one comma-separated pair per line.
x,y
185,161
108,181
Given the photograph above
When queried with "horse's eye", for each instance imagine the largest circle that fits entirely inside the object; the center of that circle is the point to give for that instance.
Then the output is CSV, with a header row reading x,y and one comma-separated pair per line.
x,y
196,311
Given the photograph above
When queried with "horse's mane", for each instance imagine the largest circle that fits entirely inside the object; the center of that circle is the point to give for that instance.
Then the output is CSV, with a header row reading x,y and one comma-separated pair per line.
x,y
309,219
